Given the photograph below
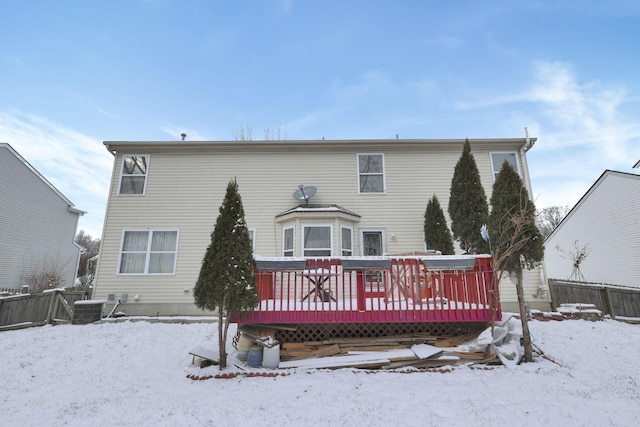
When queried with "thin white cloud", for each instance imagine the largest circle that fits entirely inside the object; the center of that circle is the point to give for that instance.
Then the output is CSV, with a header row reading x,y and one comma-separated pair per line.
x,y
582,130
77,165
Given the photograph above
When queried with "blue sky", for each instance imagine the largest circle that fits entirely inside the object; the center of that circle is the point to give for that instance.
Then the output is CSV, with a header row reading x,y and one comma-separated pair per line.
x,y
76,73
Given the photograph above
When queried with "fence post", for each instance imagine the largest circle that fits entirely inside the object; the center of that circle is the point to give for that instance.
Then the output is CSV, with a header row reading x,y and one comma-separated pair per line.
x,y
552,291
607,300
50,313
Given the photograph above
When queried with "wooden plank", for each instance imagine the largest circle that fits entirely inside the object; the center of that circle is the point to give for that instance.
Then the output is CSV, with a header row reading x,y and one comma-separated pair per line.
x,y
456,341
205,353
322,352
394,355
335,362
380,347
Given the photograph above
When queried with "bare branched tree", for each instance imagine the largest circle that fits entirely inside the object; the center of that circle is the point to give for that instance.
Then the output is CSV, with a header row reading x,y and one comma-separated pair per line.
x,y
48,274
243,132
277,134
577,255
86,267
511,241
516,242
547,219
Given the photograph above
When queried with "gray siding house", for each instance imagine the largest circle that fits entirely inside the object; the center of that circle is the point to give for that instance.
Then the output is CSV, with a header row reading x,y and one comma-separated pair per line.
x,y
37,225
370,200
606,222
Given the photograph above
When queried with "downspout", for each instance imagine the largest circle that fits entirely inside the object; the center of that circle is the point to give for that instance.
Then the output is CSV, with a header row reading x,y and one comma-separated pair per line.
x,y
81,250
523,160
543,290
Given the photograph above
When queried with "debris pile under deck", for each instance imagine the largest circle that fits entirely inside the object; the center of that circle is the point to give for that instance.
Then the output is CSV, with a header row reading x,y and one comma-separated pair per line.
x,y
390,352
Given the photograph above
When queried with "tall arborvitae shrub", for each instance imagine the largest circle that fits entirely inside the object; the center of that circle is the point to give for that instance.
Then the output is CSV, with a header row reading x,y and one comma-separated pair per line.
x,y
227,282
516,241
436,233
468,207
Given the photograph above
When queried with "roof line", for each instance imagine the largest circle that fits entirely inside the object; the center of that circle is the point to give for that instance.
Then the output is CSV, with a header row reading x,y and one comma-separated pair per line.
x,y
72,207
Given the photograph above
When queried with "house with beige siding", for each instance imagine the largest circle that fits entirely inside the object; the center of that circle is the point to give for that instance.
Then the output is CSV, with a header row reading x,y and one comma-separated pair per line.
x,y
363,198
605,223
38,225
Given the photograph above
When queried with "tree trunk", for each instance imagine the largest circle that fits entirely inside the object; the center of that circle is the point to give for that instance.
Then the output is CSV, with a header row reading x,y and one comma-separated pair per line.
x,y
526,336
222,348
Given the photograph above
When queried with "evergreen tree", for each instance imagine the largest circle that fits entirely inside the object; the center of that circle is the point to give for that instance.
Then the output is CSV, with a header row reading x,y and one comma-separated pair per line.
x,y
515,239
436,233
227,282
468,207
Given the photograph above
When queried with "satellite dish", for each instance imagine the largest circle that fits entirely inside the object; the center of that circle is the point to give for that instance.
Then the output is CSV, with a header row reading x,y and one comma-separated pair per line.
x,y
304,193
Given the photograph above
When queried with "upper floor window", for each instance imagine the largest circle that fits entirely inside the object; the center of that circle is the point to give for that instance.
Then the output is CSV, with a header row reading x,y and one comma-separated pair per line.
x,y
498,158
371,173
148,252
287,242
346,241
133,177
316,241
252,237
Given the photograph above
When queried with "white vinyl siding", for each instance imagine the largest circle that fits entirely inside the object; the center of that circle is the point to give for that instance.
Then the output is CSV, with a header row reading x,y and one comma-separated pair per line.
x,y
606,221
133,176
414,172
37,229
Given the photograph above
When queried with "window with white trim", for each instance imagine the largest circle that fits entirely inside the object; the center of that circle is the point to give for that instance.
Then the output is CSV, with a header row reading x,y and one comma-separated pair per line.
x,y
316,240
133,175
148,252
287,241
346,241
371,173
252,236
498,158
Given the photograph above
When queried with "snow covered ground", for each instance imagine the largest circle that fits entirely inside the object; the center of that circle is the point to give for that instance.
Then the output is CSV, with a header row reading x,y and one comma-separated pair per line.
x,y
135,374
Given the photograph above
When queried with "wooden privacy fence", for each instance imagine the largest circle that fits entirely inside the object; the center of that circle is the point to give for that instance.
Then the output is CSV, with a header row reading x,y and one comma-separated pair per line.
x,y
49,307
616,301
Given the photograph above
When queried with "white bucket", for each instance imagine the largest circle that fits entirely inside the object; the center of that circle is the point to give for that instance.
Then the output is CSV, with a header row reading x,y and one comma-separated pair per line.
x,y
271,357
244,343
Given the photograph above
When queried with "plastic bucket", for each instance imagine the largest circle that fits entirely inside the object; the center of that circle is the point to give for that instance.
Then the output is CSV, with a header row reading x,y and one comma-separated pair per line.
x,y
254,358
271,357
242,355
244,343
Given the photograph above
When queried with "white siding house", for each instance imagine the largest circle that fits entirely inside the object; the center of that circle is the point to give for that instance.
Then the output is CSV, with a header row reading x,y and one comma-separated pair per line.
x,y
371,199
37,224
606,221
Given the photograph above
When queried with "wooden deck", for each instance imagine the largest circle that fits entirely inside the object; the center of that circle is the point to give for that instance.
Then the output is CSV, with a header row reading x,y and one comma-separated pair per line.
x,y
364,290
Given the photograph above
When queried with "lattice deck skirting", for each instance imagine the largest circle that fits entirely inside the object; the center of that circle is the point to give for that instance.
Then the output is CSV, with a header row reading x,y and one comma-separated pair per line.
x,y
326,332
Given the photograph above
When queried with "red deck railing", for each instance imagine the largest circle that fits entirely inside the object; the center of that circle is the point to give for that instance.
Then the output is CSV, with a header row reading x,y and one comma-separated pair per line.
x,y
374,290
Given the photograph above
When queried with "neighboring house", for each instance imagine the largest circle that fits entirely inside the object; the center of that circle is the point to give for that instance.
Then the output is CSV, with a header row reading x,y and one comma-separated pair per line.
x,y
37,227
371,199
605,222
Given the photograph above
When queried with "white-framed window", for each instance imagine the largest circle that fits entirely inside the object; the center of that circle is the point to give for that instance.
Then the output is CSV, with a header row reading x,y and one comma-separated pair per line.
x,y
316,240
498,158
371,173
346,241
252,236
133,174
372,242
148,252
287,241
